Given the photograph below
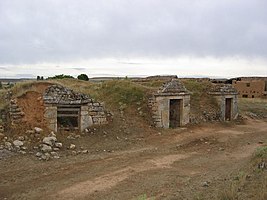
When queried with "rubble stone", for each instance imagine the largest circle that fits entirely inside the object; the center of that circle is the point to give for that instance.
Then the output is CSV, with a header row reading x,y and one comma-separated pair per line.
x,y
38,130
49,141
18,143
72,146
46,148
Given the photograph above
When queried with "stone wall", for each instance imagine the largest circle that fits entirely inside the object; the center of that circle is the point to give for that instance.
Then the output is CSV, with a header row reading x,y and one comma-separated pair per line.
x,y
92,113
50,115
15,112
234,108
160,108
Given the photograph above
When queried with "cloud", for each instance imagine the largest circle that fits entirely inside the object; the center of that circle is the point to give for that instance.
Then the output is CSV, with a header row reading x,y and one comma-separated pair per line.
x,y
64,30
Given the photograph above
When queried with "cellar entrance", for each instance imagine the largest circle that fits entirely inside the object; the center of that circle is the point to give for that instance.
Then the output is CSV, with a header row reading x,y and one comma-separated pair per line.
x,y
175,112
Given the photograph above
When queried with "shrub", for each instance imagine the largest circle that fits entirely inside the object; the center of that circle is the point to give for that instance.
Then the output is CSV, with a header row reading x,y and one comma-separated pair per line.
x,y
83,77
61,76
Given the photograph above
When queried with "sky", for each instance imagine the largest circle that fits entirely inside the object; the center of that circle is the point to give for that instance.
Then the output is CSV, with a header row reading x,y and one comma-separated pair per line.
x,y
188,38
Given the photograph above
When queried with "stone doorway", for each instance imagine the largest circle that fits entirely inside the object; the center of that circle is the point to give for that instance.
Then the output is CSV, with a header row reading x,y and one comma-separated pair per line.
x,y
228,108
175,113
68,118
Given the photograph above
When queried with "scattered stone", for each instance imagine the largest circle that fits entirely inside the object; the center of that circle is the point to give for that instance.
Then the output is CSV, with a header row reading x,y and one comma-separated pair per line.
x,y
53,153
56,157
24,148
221,149
70,137
262,165
22,152
58,145
45,156
56,149
85,151
74,153
38,154
72,146
52,134
260,142
18,143
38,130
21,138
49,141
46,148
206,184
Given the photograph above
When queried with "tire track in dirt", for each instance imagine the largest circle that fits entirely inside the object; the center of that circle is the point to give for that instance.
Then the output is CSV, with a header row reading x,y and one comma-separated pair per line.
x,y
83,189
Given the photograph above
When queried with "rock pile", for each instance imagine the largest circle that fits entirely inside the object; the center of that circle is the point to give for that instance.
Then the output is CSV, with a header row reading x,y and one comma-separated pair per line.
x,y
49,148
17,145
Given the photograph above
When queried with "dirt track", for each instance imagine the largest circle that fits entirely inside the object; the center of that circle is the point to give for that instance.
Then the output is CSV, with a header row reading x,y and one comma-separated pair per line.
x,y
171,165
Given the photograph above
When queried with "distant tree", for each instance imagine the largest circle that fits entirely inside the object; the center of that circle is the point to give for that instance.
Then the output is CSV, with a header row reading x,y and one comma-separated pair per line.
x,y
61,76
83,77
1,86
38,78
42,78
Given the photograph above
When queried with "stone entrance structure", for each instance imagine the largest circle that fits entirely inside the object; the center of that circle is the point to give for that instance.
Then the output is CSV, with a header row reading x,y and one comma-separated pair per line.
x,y
170,105
68,110
226,96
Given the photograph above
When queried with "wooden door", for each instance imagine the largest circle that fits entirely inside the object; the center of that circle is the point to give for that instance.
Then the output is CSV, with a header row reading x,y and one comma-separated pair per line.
x,y
175,113
228,108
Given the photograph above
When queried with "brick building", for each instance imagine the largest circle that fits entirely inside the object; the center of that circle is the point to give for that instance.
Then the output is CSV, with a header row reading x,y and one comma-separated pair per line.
x,y
250,87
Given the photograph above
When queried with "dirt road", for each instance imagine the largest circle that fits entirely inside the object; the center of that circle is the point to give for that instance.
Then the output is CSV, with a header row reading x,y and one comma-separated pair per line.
x,y
172,164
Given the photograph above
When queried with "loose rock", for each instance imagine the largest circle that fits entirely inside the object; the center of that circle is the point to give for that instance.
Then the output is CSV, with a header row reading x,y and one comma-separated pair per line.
x,y
72,146
18,143
38,130
49,141
46,148
58,145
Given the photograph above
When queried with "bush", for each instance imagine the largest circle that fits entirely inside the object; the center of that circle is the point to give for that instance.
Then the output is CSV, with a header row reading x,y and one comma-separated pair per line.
x,y
61,76
83,77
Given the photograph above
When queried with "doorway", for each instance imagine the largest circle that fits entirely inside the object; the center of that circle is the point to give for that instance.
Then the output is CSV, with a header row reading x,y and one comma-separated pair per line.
x,y
175,112
68,118
228,108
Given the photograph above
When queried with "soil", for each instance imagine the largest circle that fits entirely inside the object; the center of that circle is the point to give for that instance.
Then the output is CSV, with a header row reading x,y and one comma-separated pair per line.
x,y
131,161
32,105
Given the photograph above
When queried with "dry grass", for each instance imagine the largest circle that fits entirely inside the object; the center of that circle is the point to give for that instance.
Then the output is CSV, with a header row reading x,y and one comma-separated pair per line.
x,y
256,105
251,183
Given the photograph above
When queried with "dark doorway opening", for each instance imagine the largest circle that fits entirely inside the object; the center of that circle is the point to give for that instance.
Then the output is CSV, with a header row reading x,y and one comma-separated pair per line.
x,y
68,118
228,108
175,112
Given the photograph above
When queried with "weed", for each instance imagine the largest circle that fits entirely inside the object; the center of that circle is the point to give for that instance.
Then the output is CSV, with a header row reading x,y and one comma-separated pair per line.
x,y
261,152
144,197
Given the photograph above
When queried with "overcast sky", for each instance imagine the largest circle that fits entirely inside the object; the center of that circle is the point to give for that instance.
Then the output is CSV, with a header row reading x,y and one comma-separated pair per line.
x,y
223,38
